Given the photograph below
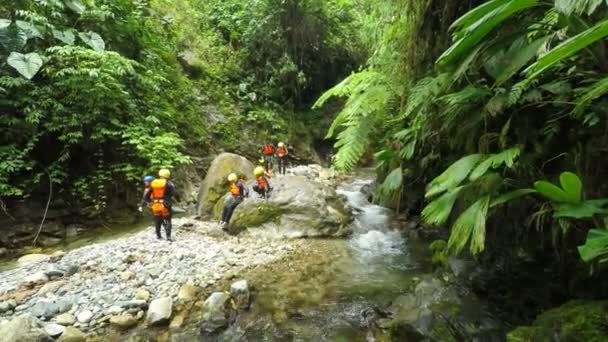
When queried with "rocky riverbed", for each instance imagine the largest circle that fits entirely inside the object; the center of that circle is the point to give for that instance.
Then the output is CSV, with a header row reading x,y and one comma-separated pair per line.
x,y
133,280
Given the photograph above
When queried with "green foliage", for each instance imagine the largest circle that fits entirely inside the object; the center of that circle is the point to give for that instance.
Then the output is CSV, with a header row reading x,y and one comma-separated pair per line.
x,y
595,247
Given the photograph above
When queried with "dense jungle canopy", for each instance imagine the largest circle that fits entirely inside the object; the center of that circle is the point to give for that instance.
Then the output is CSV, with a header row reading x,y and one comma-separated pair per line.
x,y
485,118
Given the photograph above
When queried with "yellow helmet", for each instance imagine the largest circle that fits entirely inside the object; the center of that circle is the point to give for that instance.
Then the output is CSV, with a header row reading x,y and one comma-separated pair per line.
x,y
258,171
281,144
164,173
232,177
261,161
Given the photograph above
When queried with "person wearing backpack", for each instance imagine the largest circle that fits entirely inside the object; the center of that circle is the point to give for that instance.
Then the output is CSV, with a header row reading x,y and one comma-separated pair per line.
x,y
268,152
282,153
160,194
238,192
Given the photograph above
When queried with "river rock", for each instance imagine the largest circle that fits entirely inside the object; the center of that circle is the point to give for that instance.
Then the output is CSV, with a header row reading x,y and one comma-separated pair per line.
x,y
50,307
215,312
3,251
31,259
24,328
160,311
51,287
7,305
71,334
126,275
187,292
142,294
214,187
65,319
54,329
35,279
84,316
123,321
239,290
298,207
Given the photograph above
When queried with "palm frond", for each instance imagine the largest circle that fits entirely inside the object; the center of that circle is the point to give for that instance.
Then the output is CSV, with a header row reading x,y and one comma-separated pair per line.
x,y
506,157
470,225
453,175
589,94
568,48
438,211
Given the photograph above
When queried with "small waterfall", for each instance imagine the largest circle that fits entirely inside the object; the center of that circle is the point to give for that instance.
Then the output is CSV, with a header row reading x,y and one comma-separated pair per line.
x,y
372,236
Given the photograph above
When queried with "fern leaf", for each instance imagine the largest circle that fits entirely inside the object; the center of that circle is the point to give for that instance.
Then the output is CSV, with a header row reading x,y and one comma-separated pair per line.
x,y
453,175
470,225
424,93
438,211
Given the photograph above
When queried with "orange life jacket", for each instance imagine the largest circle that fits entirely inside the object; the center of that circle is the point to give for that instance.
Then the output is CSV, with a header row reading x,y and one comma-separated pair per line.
x,y
262,183
268,150
282,151
157,198
234,189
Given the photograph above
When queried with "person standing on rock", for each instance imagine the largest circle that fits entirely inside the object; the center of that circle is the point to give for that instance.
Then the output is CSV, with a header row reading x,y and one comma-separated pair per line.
x,y
238,192
147,180
282,153
268,152
262,185
160,194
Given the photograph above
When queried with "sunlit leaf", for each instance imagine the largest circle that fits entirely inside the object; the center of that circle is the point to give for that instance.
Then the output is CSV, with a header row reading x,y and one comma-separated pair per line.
x,y
66,37
595,246
27,65
93,40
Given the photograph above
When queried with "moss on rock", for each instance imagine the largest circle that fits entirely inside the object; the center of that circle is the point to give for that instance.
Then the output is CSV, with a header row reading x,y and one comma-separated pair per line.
x,y
573,321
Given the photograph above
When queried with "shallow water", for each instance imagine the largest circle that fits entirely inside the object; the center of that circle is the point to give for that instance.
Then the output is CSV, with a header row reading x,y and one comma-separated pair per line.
x,y
330,294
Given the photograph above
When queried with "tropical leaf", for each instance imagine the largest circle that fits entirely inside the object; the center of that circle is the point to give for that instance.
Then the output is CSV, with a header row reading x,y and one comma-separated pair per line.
x,y
438,211
459,26
66,37
30,30
4,23
392,182
423,93
516,58
75,5
595,246
475,32
572,185
470,225
589,94
27,65
509,196
583,210
568,48
567,7
453,175
93,40
506,157
12,38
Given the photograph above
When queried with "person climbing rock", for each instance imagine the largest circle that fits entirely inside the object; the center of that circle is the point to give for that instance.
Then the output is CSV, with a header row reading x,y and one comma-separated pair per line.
x,y
238,192
262,185
160,194
147,180
282,153
268,152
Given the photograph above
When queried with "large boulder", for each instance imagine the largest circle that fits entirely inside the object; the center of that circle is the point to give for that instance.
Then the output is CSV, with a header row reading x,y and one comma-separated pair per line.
x,y
214,185
23,329
215,312
160,311
297,207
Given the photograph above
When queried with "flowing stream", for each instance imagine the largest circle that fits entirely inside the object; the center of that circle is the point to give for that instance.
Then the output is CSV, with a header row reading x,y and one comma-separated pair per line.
x,y
331,295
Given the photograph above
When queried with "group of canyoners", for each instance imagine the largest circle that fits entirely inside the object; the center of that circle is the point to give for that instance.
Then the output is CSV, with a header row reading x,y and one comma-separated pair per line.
x,y
159,191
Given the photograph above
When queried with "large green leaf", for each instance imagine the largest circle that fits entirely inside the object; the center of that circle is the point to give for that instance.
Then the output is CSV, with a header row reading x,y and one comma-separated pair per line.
x,y
506,197
93,40
476,31
588,94
66,37
595,246
438,211
453,175
30,30
4,23
12,38
392,182
551,191
568,48
474,15
567,7
470,225
27,65
572,185
582,210
506,157
516,58
75,5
